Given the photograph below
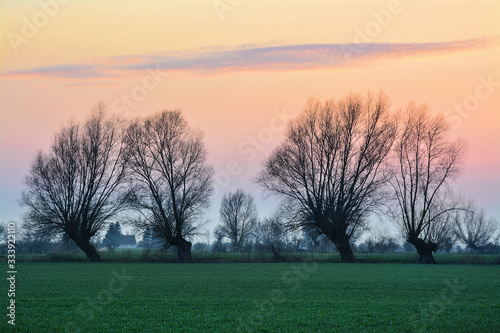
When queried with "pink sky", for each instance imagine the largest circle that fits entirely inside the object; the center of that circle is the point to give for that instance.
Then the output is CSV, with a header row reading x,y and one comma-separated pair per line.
x,y
240,71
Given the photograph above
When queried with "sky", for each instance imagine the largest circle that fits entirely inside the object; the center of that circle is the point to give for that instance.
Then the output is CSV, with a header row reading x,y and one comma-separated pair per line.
x,y
240,70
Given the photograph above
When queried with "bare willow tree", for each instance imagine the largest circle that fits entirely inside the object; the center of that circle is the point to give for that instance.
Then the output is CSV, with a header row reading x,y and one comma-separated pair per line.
x,y
474,229
238,215
425,163
329,170
171,180
218,245
272,231
76,187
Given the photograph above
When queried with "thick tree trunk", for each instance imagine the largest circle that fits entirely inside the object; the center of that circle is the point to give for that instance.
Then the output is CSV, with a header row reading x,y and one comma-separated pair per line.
x,y
345,250
424,250
184,250
343,246
89,249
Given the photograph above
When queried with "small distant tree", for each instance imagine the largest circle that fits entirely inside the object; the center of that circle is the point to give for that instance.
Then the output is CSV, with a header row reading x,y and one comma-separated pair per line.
x,y
150,240
474,229
113,236
447,242
238,215
3,239
380,244
28,242
297,243
206,234
218,246
271,231
147,239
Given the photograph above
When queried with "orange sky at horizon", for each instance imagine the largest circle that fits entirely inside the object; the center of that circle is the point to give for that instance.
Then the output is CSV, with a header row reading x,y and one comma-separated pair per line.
x,y
74,61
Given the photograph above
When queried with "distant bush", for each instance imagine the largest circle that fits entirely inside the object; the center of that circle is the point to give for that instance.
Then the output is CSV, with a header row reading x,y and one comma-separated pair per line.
x,y
162,256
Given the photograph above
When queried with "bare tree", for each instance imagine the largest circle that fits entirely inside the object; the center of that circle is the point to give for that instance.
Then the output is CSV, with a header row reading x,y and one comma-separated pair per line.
x,y
271,231
329,170
218,245
238,215
172,181
379,243
425,162
206,234
77,186
474,229
3,239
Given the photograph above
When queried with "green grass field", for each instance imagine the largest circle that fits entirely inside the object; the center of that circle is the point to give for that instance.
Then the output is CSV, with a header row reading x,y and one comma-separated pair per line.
x,y
258,297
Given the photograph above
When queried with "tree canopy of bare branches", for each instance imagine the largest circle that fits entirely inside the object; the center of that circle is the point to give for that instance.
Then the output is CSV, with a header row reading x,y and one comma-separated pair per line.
x,y
474,229
271,231
171,180
425,163
76,187
238,215
329,169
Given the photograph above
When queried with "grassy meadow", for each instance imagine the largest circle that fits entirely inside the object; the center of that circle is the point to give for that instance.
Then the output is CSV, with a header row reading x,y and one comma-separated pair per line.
x,y
255,297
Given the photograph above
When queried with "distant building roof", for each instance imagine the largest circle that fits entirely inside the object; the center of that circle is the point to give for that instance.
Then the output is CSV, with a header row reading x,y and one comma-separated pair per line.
x,y
128,240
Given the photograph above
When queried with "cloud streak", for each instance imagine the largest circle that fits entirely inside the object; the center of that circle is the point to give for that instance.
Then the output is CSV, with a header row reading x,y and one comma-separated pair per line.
x,y
255,58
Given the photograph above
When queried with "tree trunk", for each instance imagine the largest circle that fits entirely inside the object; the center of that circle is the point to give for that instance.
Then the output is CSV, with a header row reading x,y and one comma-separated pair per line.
x,y
184,250
424,250
344,247
89,249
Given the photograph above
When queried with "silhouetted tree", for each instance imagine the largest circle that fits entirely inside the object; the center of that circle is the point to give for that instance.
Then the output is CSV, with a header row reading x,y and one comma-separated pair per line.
x,y
379,244
147,239
150,240
77,186
113,236
3,238
329,169
426,161
218,246
447,243
238,215
271,231
171,180
27,242
474,229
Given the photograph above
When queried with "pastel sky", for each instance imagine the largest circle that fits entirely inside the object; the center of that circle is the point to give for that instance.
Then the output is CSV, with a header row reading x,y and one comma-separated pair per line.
x,y
240,70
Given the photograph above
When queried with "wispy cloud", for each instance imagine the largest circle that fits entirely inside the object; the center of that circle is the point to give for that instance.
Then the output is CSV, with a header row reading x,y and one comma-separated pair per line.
x,y
255,57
